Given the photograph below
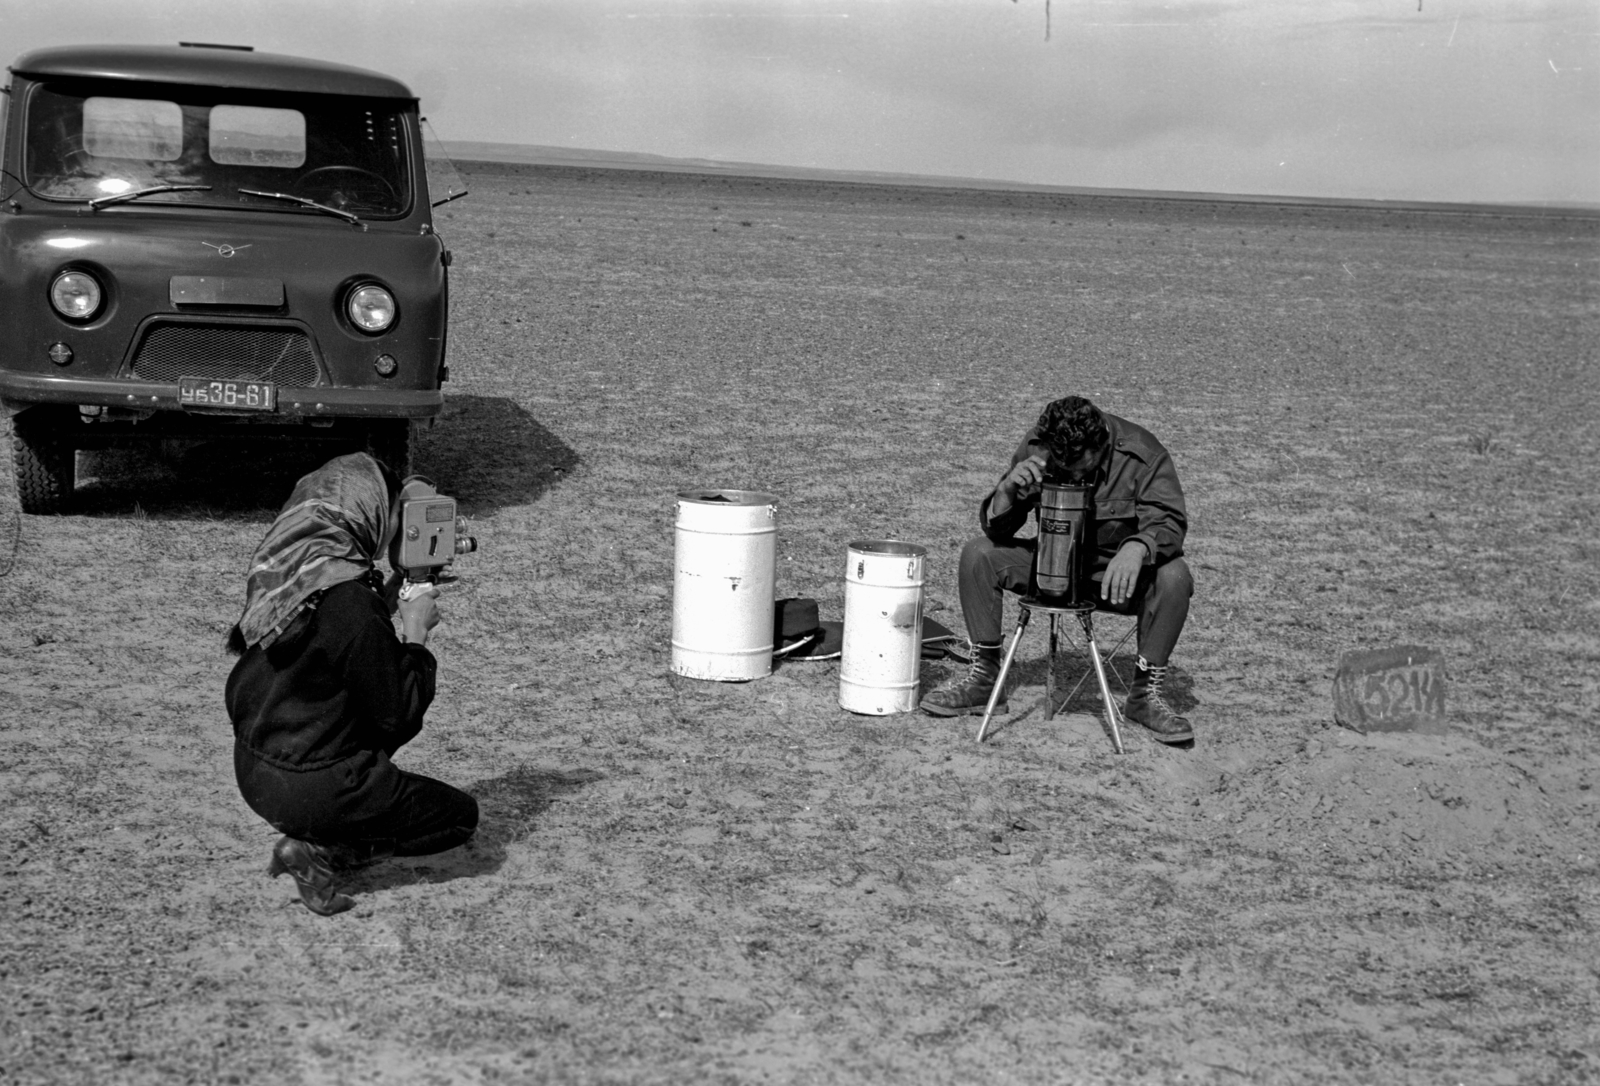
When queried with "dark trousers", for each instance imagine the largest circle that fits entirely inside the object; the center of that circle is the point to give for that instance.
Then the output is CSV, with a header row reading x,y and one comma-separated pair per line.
x,y
1160,600
363,801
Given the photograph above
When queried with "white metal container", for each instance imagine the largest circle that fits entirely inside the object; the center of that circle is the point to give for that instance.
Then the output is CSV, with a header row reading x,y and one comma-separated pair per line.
x,y
881,657
725,571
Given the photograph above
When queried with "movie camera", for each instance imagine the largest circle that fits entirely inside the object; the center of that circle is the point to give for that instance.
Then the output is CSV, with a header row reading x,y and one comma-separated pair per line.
x,y
429,537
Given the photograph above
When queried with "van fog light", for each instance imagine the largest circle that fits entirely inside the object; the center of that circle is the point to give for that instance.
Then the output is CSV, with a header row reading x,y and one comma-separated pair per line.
x,y
60,354
385,365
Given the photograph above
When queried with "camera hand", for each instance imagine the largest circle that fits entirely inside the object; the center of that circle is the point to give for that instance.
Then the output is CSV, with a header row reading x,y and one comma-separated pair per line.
x,y
410,590
419,611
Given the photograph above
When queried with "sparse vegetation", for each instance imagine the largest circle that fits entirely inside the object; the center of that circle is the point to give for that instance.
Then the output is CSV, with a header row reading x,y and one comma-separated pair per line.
x,y
680,881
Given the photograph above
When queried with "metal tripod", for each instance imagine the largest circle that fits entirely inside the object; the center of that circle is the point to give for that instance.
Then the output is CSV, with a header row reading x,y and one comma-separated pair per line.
x,y
1084,612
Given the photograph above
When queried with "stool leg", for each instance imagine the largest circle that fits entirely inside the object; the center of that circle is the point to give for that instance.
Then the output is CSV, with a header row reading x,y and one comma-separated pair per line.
x,y
1050,674
1000,682
1087,618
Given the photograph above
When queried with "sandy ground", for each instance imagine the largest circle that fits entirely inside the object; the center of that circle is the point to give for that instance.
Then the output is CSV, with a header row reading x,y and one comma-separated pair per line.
x,y
1386,427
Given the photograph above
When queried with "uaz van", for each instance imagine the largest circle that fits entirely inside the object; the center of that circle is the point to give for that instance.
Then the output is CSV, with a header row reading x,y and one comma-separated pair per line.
x,y
209,242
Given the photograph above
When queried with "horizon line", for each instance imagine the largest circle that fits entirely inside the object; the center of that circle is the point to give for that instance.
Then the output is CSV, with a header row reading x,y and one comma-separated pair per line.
x,y
549,155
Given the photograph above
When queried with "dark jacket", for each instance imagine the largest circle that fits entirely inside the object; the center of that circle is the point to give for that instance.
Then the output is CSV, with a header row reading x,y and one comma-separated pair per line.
x,y
1139,498
336,683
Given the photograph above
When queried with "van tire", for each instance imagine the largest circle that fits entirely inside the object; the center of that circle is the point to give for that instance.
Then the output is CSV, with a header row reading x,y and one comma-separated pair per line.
x,y
45,465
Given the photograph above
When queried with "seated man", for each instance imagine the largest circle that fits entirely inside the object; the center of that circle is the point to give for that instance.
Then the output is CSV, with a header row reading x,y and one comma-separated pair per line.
x,y
1137,559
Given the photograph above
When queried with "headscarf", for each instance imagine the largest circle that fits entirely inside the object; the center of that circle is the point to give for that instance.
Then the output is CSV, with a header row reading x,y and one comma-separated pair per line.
x,y
327,533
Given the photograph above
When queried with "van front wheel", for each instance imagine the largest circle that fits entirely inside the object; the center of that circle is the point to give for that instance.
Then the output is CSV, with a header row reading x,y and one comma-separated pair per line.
x,y
45,462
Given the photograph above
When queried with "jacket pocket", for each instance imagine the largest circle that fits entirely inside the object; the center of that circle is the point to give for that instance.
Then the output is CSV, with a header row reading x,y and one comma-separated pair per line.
x,y
1116,509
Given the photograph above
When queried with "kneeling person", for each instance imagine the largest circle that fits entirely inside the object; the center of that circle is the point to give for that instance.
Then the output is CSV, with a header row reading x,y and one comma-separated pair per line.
x,y
324,693
1137,562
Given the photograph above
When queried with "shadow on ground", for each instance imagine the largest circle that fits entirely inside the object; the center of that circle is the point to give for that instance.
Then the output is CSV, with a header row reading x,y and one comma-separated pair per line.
x,y
509,807
1026,681
486,451
1179,687
247,479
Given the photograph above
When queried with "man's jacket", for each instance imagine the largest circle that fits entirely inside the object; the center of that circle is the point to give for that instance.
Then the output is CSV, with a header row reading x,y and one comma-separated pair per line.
x,y
1139,497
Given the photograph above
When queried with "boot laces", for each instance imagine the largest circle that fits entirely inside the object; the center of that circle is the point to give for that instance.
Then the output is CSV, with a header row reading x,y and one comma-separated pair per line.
x,y
979,673
1155,677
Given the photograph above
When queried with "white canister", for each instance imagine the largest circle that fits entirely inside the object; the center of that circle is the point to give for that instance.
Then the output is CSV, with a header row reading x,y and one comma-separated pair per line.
x,y
725,570
881,657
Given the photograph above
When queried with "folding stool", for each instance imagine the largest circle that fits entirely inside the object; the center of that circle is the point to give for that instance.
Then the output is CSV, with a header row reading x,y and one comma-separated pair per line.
x,y
1084,613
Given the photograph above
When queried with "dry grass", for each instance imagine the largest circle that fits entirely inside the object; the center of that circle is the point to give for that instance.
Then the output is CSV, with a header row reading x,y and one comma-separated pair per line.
x,y
1386,425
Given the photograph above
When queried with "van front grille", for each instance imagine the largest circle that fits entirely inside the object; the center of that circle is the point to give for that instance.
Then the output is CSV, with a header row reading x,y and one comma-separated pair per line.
x,y
226,352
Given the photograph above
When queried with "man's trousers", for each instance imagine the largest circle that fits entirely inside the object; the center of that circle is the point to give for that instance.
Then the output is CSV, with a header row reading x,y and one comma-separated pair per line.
x,y
1160,599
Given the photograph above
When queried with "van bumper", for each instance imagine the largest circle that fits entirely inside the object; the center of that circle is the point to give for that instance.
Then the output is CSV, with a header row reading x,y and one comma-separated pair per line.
x,y
20,390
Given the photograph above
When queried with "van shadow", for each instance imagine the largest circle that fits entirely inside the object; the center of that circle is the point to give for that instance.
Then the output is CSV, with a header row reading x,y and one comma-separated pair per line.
x,y
509,808
485,451
247,479
488,453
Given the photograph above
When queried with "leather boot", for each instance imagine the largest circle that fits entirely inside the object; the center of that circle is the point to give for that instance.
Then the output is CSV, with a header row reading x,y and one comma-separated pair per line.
x,y
970,695
1147,705
312,869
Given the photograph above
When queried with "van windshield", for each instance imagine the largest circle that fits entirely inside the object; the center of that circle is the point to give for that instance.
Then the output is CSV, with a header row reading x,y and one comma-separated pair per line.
x,y
86,141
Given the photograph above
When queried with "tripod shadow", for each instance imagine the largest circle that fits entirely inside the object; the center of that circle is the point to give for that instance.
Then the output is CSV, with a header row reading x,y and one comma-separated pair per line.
x,y
1178,689
509,808
1076,688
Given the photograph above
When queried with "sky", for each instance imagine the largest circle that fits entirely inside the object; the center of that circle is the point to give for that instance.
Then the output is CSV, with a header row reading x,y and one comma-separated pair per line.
x,y
1489,101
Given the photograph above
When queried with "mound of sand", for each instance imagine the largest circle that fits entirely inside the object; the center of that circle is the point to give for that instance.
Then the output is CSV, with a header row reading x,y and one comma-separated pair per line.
x,y
1422,799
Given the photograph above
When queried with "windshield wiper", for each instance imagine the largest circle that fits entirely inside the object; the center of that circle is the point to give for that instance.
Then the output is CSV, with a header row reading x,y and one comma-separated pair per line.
x,y
303,202
123,197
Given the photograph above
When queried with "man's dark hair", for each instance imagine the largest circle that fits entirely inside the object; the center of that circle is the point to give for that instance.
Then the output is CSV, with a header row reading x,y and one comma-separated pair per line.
x,y
1071,426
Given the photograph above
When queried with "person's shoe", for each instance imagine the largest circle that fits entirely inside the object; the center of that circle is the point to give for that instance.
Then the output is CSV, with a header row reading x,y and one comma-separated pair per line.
x,y
971,694
313,874
1147,705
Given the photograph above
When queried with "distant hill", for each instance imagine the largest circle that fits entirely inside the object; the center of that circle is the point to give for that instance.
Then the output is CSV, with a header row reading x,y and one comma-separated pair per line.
x,y
536,154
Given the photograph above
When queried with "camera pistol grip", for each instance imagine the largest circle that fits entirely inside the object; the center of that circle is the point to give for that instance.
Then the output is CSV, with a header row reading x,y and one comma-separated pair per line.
x,y
411,588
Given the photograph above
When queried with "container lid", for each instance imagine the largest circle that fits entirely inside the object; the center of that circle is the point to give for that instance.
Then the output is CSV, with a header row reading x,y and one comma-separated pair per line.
x,y
727,497
888,546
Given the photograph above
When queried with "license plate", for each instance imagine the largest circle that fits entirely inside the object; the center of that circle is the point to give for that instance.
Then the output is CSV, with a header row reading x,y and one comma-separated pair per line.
x,y
227,395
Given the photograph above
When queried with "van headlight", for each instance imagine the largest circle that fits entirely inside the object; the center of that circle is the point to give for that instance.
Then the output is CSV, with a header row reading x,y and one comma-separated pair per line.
x,y
370,308
76,295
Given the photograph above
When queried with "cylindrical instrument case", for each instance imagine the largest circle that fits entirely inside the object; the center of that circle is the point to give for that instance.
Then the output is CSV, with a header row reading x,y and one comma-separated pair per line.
x,y
725,570
880,659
